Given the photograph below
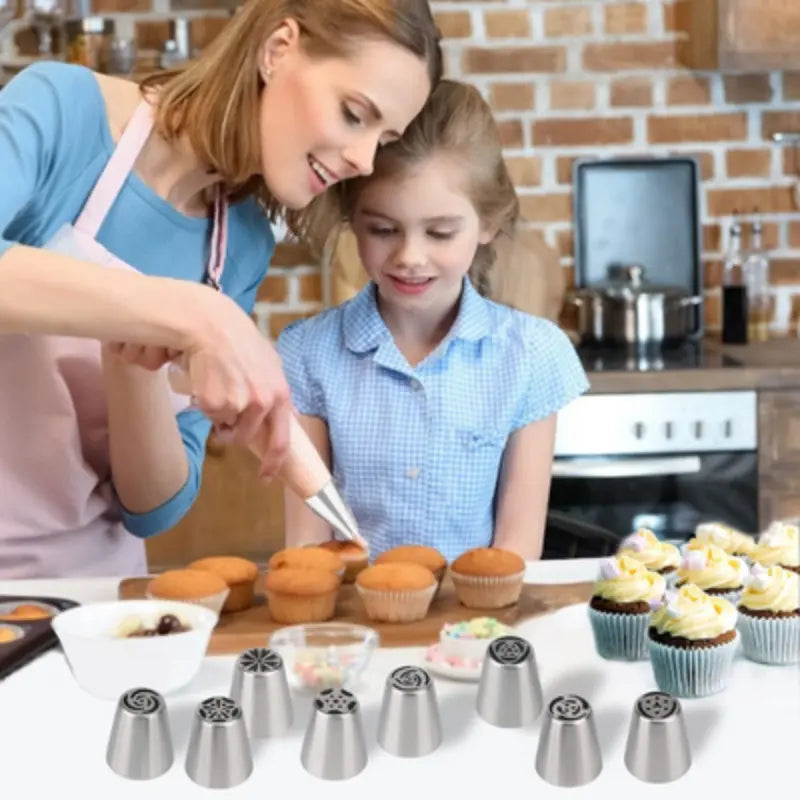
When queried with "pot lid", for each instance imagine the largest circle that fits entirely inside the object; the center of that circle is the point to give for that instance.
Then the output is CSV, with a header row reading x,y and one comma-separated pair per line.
x,y
628,280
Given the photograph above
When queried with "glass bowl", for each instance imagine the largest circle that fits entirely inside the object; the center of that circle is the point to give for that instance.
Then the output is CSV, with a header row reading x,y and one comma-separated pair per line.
x,y
325,655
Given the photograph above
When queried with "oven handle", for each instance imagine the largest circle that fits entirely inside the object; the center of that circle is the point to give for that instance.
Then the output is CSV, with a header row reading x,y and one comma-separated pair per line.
x,y
627,467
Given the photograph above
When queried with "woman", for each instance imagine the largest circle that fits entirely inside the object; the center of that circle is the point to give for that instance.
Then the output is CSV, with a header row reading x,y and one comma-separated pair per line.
x,y
122,209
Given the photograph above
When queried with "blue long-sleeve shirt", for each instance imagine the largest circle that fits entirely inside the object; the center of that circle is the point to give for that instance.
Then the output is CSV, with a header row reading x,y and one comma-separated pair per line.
x,y
54,142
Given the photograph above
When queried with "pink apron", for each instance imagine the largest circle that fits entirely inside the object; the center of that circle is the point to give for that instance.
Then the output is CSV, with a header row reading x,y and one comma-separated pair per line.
x,y
57,507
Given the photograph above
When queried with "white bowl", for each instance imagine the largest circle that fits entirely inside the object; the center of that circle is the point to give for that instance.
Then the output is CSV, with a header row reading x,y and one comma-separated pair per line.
x,y
107,665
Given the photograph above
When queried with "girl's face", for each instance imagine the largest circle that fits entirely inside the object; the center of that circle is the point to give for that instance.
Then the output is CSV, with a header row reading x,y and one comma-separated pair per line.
x,y
323,119
417,235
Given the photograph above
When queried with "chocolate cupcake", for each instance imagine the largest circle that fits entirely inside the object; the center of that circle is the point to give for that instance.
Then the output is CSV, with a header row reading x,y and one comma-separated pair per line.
x,y
620,606
726,537
769,616
646,548
711,569
692,640
488,577
778,546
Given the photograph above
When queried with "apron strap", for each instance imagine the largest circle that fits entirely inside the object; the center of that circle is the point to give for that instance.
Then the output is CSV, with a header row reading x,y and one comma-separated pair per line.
x,y
112,178
110,182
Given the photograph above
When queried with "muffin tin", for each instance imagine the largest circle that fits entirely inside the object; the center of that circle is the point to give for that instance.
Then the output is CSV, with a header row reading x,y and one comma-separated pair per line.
x,y
23,639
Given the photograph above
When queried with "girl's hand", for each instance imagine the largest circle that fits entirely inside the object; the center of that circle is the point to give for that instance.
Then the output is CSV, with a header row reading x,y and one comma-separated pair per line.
x,y
147,356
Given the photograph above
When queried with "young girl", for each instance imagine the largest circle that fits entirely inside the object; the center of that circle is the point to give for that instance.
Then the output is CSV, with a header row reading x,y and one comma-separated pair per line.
x,y
435,407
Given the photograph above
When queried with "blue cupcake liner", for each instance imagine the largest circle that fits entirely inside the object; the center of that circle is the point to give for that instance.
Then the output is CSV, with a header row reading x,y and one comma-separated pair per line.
x,y
692,672
618,636
770,640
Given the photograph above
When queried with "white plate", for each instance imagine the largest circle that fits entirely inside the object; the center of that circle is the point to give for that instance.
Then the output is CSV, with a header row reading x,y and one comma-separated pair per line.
x,y
445,670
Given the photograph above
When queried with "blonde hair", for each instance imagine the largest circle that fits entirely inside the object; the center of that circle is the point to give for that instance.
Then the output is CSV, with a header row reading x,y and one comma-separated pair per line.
x,y
456,123
214,100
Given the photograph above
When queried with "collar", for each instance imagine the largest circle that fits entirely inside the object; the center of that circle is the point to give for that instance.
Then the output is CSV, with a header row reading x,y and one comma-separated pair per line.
x,y
365,330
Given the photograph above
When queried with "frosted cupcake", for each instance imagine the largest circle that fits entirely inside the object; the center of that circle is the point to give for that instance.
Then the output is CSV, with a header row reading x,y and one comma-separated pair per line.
x,y
620,606
769,616
692,640
727,538
714,571
779,545
649,550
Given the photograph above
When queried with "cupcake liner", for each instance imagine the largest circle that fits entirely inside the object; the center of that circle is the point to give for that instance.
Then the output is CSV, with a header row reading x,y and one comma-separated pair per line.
x,y
293,609
478,591
770,640
620,636
396,606
687,672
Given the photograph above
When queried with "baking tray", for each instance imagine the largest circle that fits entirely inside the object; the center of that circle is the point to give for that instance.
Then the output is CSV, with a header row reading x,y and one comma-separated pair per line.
x,y
33,637
639,211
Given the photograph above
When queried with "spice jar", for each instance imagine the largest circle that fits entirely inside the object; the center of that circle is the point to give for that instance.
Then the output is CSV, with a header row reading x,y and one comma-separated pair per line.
x,y
88,42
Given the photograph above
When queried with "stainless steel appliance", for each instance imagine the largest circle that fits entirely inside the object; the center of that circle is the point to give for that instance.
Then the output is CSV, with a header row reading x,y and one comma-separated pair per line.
x,y
666,461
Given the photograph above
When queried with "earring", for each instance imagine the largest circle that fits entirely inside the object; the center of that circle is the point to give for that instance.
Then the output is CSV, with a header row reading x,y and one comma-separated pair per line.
x,y
266,74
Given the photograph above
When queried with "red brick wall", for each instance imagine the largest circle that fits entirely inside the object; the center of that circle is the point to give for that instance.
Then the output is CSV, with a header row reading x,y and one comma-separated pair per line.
x,y
571,78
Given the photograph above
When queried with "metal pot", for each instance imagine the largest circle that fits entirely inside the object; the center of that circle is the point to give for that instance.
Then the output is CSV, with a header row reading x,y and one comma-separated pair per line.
x,y
628,310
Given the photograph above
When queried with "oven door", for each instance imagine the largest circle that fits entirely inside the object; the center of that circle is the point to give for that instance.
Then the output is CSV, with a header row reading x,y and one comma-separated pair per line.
x,y
670,494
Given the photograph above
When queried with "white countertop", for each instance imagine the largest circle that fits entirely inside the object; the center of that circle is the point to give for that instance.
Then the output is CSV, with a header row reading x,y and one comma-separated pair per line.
x,y
53,735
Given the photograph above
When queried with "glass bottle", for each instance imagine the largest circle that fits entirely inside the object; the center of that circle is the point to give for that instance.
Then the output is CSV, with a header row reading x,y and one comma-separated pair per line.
x,y
734,289
756,270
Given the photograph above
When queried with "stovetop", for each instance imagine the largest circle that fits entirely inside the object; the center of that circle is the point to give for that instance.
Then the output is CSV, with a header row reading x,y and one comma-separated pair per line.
x,y
686,355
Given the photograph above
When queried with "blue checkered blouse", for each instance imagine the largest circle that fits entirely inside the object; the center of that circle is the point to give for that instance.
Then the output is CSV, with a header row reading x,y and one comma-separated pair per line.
x,y
417,450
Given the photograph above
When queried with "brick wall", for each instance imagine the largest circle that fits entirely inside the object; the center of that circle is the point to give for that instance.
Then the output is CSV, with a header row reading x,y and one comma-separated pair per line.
x,y
573,78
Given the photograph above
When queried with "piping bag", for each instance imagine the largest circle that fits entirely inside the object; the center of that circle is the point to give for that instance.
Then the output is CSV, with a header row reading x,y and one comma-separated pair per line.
x,y
303,471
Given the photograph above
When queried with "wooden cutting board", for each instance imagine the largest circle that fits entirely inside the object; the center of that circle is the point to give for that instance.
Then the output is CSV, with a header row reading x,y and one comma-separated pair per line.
x,y
242,630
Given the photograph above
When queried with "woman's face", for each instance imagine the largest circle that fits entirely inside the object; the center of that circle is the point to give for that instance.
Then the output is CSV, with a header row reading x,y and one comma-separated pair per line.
x,y
323,119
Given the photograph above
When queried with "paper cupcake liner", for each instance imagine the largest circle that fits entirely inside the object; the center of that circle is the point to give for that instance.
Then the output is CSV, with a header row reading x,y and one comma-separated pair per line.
x,y
686,672
396,606
620,636
477,591
291,609
770,640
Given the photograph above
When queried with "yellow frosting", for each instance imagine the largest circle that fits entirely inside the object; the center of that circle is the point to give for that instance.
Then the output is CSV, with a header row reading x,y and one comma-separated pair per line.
x,y
771,589
625,580
648,549
692,614
743,543
710,567
716,533
779,544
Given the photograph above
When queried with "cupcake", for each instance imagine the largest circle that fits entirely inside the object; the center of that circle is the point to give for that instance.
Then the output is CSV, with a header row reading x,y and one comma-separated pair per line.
x,y
301,594
309,557
619,609
769,616
714,571
727,538
692,640
646,548
488,577
428,557
779,545
354,557
399,592
239,575
190,586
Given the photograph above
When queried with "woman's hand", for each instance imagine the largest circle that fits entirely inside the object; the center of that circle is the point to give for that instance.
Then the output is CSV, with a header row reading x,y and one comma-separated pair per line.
x,y
147,356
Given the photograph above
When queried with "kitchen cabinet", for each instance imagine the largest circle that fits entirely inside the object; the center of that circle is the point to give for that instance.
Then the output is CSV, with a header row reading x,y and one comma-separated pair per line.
x,y
740,35
778,455
235,514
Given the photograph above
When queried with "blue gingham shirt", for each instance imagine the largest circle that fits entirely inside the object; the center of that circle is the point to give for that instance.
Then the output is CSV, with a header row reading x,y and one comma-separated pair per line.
x,y
417,450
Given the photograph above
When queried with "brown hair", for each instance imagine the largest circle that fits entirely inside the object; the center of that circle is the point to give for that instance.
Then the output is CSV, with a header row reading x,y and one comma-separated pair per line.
x,y
456,122
214,100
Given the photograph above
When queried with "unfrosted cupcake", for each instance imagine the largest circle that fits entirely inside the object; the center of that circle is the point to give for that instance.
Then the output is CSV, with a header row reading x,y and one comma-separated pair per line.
x,y
692,641
724,536
428,557
191,586
646,548
488,577
354,556
309,557
779,545
711,569
769,616
399,592
301,594
238,573
620,606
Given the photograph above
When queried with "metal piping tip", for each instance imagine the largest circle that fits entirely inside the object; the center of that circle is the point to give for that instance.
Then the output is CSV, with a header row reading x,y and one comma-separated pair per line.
x,y
328,504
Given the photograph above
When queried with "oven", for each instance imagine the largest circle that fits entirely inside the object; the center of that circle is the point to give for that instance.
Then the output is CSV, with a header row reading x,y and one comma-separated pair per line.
x,y
666,461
